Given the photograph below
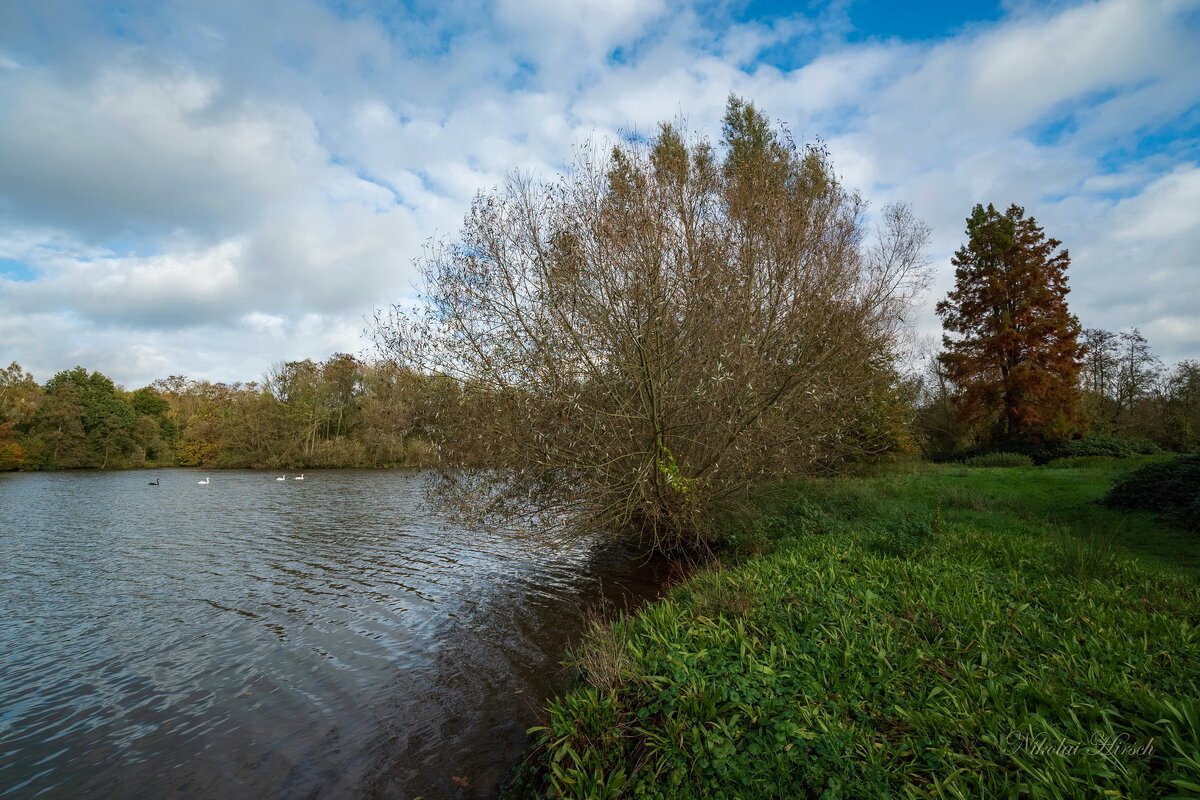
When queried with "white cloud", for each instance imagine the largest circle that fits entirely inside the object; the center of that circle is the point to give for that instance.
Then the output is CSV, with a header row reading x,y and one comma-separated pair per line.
x,y
1164,211
581,31
1027,68
1136,264
249,182
132,152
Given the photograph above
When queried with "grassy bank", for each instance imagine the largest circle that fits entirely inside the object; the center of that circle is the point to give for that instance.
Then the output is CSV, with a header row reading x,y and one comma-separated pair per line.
x,y
934,631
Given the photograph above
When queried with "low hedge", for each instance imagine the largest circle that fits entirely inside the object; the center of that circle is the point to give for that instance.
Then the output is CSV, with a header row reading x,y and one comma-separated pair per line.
x,y
1171,488
1109,446
1081,462
1097,445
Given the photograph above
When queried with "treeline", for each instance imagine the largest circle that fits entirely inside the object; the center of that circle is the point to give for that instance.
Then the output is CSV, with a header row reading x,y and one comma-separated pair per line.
x,y
341,412
1126,391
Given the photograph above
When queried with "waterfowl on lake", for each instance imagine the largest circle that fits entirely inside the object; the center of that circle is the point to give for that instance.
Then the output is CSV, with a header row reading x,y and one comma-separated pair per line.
x,y
299,478
153,482
204,482
284,478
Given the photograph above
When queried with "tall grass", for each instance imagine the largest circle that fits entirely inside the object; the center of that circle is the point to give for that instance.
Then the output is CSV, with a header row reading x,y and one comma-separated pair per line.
x,y
1000,460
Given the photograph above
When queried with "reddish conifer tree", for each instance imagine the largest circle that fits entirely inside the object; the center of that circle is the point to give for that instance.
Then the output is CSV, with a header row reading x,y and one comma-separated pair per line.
x,y
1016,356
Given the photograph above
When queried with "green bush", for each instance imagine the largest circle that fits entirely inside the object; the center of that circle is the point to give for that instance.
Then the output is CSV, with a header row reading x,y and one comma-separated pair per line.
x,y
337,453
1109,446
1081,462
1171,488
1000,460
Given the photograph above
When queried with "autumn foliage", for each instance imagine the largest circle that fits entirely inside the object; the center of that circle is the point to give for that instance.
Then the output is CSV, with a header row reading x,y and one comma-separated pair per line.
x,y
1014,355
12,455
643,339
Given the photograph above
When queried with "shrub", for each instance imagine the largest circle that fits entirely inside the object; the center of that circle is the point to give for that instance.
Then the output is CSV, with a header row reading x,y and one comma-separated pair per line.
x,y
339,452
1082,462
755,538
1170,487
1110,446
1000,460
604,331
12,455
420,453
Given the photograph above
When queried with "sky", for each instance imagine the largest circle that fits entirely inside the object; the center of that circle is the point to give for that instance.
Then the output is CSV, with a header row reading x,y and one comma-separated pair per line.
x,y
208,187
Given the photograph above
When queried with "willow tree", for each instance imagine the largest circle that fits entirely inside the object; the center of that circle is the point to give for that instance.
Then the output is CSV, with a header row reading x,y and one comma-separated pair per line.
x,y
1015,355
640,340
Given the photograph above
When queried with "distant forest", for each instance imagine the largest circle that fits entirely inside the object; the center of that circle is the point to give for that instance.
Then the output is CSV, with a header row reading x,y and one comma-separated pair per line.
x,y
344,412
341,412
1126,392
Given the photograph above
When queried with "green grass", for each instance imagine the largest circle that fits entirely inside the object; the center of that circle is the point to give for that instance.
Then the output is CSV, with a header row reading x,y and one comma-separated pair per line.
x,y
933,631
1000,459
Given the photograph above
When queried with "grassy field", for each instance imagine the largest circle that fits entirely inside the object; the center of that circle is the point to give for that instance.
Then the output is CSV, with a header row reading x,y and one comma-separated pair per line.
x,y
925,631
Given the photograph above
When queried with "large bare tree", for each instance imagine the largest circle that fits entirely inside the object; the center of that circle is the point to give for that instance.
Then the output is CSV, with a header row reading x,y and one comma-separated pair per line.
x,y
661,327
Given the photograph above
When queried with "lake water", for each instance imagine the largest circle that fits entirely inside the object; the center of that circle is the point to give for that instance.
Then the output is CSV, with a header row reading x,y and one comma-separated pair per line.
x,y
259,638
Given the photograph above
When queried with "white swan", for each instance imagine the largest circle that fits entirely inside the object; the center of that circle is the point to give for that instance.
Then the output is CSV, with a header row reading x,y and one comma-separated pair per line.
x,y
300,478
282,479
205,481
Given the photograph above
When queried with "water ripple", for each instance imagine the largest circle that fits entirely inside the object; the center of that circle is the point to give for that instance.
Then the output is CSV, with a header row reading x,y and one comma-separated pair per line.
x,y
255,638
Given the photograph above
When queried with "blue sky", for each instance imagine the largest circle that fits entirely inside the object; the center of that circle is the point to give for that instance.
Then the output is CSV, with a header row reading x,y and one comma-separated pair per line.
x,y
860,20
204,187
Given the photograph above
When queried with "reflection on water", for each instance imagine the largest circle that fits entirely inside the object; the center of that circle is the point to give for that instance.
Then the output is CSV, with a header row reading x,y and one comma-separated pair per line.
x,y
263,638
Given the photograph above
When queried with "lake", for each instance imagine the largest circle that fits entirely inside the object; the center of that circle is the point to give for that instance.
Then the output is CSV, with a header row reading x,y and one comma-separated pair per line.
x,y
259,638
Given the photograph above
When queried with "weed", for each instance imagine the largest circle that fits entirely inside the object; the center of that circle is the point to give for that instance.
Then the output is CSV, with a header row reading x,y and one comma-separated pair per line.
x,y
1000,460
902,537
714,594
1094,558
602,655
963,497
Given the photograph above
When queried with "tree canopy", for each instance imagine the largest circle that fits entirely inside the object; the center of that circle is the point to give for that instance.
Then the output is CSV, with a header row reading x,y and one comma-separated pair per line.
x,y
662,325
1014,353
341,412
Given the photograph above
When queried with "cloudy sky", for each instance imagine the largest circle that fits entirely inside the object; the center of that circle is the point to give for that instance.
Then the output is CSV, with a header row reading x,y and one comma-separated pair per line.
x,y
204,187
